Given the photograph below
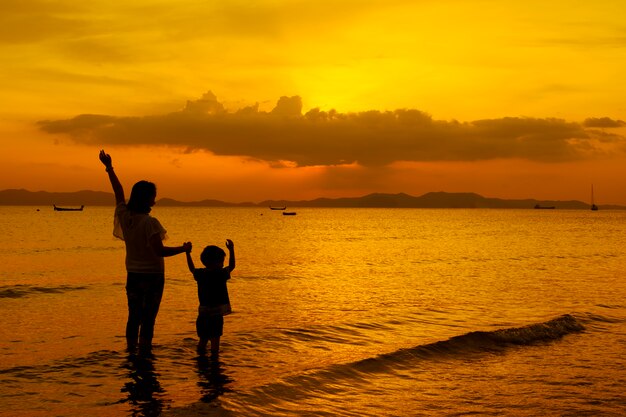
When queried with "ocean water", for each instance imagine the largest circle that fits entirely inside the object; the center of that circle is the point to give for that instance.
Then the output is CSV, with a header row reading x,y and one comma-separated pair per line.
x,y
337,312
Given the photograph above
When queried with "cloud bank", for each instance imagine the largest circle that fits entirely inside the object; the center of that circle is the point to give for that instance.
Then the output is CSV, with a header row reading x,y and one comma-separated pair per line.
x,y
368,138
603,122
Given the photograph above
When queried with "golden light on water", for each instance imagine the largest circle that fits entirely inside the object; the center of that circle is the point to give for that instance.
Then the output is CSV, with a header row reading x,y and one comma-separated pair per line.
x,y
334,309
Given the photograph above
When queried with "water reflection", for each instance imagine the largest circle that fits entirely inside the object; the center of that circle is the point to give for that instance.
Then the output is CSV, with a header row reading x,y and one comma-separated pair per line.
x,y
212,380
145,394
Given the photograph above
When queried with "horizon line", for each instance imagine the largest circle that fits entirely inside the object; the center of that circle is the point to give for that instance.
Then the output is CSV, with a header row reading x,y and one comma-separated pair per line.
x,y
216,202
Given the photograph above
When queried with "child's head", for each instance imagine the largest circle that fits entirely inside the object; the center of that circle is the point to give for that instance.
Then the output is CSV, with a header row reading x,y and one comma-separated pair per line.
x,y
213,256
142,197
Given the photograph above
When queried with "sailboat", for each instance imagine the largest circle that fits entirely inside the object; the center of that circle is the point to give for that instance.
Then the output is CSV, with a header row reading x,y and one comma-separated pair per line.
x,y
593,205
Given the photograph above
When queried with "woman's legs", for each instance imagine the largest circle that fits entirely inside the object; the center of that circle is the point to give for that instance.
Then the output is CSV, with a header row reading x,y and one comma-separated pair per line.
x,y
144,293
202,344
152,301
215,346
134,297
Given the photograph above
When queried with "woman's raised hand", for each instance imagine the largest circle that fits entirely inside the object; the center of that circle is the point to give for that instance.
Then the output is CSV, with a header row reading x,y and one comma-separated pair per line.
x,y
105,158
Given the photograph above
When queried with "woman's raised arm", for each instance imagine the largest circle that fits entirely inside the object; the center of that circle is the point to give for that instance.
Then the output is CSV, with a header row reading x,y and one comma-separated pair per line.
x,y
118,190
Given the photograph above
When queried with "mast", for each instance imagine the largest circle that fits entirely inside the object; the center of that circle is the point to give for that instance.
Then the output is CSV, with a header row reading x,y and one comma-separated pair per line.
x,y
593,204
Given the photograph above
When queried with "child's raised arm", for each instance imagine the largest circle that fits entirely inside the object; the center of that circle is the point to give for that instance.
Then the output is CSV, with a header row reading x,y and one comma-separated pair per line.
x,y
190,264
231,254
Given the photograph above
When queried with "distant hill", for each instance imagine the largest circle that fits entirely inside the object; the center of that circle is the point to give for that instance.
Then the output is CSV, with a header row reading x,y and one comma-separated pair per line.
x,y
168,202
401,200
433,200
44,198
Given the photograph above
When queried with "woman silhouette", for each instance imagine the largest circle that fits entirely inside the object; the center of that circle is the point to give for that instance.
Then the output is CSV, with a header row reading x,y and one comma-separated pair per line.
x,y
143,237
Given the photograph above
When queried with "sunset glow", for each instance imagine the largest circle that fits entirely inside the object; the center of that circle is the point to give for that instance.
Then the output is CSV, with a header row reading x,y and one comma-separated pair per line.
x,y
306,99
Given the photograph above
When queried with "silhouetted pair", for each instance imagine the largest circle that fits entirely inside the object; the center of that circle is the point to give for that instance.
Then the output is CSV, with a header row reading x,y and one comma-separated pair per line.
x,y
143,236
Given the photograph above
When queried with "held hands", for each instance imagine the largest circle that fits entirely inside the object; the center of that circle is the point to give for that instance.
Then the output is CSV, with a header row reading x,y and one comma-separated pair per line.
x,y
187,247
105,158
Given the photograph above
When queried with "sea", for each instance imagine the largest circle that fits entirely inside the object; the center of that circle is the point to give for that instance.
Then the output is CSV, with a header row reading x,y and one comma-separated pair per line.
x,y
336,312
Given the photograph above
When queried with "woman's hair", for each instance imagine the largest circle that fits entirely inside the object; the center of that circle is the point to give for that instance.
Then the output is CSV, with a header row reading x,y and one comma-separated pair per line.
x,y
212,254
141,197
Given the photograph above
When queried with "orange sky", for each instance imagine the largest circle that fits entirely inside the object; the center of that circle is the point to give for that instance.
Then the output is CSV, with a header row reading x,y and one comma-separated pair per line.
x,y
303,99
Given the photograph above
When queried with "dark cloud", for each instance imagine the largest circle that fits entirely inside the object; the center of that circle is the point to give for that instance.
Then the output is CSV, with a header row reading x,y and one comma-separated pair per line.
x,y
36,20
288,106
369,138
603,122
207,105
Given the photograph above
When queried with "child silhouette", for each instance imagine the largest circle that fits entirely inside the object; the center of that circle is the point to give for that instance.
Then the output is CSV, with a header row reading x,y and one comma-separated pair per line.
x,y
212,294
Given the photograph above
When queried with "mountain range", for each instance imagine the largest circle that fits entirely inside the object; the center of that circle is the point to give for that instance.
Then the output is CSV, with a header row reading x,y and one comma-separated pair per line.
x,y
22,197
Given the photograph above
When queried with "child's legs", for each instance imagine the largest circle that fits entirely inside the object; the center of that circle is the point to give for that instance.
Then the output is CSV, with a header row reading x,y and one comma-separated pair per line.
x,y
209,328
202,329
218,329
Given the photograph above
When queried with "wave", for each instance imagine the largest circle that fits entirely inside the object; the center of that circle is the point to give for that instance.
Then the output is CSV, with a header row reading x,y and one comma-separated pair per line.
x,y
459,346
23,290
476,342
499,339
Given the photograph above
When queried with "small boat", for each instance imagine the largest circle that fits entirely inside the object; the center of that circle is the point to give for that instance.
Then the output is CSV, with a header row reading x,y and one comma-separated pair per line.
x,y
278,208
68,208
289,213
593,205
540,207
